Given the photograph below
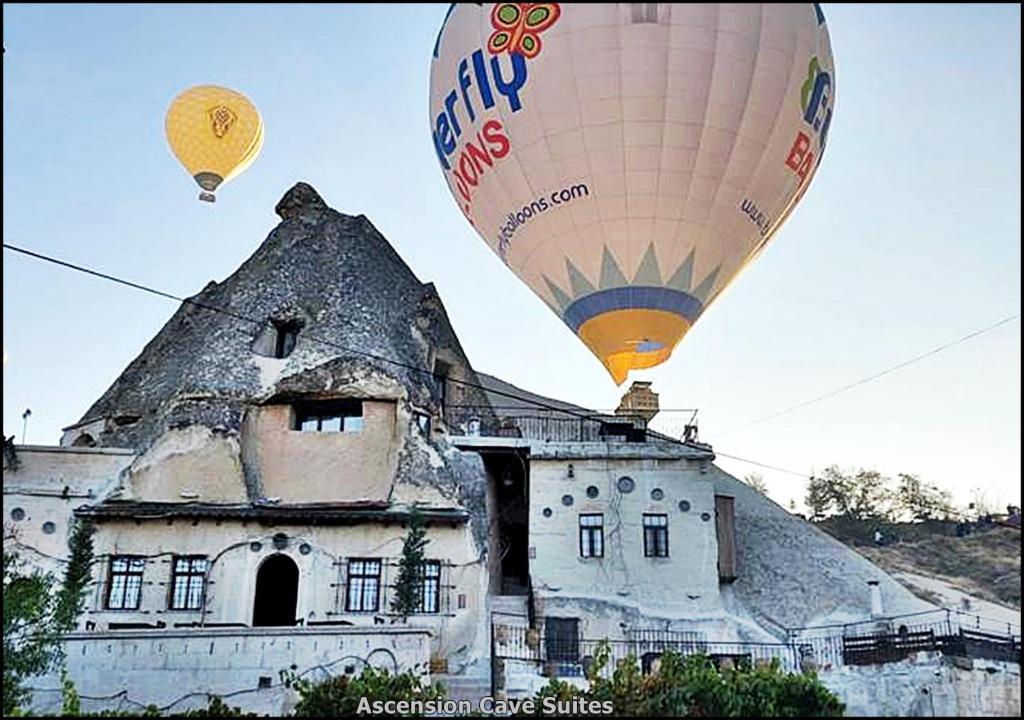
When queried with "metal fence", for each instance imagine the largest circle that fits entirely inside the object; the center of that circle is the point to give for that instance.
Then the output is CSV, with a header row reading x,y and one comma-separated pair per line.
x,y
565,426
569,656
949,632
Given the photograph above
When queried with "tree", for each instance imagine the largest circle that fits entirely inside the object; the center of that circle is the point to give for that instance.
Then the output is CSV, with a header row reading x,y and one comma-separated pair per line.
x,y
28,642
71,598
982,505
863,495
756,481
35,616
341,695
818,498
870,497
921,500
409,586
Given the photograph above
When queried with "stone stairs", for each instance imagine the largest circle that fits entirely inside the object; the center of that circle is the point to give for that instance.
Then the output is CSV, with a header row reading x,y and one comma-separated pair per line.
x,y
465,687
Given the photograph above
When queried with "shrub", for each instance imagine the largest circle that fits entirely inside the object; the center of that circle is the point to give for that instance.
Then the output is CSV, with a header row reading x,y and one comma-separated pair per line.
x,y
340,696
695,686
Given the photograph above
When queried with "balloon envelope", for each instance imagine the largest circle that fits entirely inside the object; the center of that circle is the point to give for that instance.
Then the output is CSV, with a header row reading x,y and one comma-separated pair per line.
x,y
627,160
215,132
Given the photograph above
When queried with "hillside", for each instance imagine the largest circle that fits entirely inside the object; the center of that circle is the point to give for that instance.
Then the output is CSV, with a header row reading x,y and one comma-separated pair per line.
x,y
931,561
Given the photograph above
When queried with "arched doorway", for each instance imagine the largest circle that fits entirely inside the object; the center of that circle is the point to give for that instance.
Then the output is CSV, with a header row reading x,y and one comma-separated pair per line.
x,y
277,591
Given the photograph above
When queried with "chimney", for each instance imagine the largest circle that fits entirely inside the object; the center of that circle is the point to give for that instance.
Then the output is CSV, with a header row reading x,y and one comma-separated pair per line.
x,y
876,599
640,401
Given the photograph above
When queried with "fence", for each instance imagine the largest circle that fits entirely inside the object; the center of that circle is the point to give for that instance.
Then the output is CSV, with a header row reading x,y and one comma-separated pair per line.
x,y
567,655
565,426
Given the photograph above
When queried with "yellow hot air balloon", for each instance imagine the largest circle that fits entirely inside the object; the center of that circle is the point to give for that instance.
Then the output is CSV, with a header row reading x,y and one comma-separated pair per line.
x,y
215,132
627,160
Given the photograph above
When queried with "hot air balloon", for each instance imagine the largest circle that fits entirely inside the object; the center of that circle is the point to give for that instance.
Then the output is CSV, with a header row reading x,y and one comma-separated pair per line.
x,y
215,132
627,160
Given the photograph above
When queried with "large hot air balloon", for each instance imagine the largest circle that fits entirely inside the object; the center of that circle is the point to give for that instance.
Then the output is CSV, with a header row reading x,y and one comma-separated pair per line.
x,y
215,132
627,160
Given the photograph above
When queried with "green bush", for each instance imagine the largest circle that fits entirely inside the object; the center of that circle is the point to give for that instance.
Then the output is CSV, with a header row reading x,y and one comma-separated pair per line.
x,y
695,686
340,696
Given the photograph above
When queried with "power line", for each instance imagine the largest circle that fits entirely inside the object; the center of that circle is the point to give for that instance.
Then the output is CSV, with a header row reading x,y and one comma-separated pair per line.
x,y
310,337
875,376
527,400
805,476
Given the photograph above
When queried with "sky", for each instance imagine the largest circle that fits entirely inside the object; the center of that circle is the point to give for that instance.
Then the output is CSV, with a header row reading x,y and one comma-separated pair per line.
x,y
909,237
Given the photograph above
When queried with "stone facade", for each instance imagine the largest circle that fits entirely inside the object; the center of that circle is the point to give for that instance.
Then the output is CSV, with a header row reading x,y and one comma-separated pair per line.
x,y
282,427
180,669
929,685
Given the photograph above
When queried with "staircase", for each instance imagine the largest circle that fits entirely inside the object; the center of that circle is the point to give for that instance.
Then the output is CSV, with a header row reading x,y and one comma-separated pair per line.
x,y
465,687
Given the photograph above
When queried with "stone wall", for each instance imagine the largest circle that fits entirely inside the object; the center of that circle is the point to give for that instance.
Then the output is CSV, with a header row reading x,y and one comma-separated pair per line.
x,y
685,583
928,685
176,670
45,485
307,467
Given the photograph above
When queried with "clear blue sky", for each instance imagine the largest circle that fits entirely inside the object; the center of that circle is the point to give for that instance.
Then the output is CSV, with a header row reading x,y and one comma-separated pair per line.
x,y
909,237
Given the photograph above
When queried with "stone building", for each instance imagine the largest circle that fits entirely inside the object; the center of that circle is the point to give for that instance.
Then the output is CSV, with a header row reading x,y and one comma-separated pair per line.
x,y
252,473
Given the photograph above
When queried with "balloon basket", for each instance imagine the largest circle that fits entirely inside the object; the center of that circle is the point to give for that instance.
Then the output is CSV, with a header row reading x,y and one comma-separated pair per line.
x,y
207,197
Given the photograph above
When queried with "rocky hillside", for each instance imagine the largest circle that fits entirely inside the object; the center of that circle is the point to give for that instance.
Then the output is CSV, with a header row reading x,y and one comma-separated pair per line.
x,y
934,563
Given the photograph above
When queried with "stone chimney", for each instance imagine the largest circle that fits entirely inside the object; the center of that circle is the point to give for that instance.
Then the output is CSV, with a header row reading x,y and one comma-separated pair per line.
x,y
640,401
876,599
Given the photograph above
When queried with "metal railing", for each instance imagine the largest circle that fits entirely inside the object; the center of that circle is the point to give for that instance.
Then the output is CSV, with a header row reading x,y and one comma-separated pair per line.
x,y
951,618
569,426
573,656
949,632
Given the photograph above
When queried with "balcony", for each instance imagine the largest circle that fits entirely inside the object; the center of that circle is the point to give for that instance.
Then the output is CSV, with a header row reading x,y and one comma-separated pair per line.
x,y
563,426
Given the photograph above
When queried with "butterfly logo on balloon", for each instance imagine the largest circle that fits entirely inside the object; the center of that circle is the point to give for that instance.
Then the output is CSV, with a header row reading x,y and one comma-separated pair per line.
x,y
517,27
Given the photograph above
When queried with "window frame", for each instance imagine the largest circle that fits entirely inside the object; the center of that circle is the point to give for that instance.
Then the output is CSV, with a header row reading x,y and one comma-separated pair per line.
x,y
128,573
589,549
188,575
644,13
340,410
423,421
656,535
432,581
286,337
350,576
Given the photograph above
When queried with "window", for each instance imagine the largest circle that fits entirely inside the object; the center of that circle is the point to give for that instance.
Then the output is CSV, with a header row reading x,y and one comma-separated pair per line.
x,y
84,440
286,335
338,416
562,639
188,583
655,535
592,536
430,590
277,338
363,594
644,12
422,420
441,370
125,588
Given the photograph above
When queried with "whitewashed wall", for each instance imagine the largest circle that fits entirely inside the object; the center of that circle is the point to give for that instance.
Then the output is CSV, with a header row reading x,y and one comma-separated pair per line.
x,y
175,670
47,485
459,633
624,585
